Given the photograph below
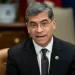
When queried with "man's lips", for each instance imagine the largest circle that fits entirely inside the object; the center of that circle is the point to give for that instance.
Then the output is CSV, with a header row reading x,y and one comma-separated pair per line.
x,y
41,36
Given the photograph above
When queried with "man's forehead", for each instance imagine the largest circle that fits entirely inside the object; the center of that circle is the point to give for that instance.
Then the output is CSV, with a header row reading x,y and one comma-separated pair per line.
x,y
39,17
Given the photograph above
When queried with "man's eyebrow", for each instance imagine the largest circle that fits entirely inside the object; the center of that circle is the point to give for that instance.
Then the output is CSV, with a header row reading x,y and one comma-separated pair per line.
x,y
32,22
44,20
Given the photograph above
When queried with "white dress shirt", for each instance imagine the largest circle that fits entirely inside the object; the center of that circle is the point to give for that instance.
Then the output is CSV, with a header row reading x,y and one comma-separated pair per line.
x,y
39,53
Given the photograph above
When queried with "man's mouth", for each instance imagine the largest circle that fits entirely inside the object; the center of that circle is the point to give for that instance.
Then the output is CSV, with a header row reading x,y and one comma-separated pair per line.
x,y
41,36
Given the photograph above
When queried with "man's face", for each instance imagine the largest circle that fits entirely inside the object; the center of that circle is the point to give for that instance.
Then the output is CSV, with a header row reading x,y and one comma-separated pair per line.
x,y
40,28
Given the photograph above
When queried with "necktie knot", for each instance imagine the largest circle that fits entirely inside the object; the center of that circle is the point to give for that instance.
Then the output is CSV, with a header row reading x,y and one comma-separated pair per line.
x,y
44,52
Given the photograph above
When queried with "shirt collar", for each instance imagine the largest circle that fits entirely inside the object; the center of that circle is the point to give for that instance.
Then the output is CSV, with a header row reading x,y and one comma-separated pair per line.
x,y
38,47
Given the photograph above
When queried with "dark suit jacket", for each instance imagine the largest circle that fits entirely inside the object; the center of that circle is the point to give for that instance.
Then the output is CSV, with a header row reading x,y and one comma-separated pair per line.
x,y
22,59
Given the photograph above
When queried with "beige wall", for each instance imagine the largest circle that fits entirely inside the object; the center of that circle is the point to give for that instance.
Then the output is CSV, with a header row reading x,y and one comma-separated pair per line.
x,y
65,24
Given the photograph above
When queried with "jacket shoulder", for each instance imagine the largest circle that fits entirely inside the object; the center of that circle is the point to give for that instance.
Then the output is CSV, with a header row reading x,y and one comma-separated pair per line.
x,y
65,44
20,47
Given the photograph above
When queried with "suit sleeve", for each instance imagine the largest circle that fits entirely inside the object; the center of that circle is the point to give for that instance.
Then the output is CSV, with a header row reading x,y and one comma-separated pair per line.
x,y
72,68
11,66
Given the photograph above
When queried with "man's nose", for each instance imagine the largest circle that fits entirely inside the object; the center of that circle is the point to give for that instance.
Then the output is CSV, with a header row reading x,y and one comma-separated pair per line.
x,y
39,28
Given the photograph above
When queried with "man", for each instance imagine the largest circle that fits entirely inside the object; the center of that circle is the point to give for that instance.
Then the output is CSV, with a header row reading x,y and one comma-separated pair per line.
x,y
42,53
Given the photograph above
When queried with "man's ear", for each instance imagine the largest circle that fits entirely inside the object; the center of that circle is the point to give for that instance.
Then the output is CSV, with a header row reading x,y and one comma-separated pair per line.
x,y
28,28
54,23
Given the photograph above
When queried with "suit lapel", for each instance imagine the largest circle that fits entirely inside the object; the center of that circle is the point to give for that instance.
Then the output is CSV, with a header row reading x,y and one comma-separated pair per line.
x,y
32,58
55,58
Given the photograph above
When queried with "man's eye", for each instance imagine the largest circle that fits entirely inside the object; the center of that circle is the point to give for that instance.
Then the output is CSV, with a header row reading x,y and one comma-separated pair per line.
x,y
33,25
44,23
